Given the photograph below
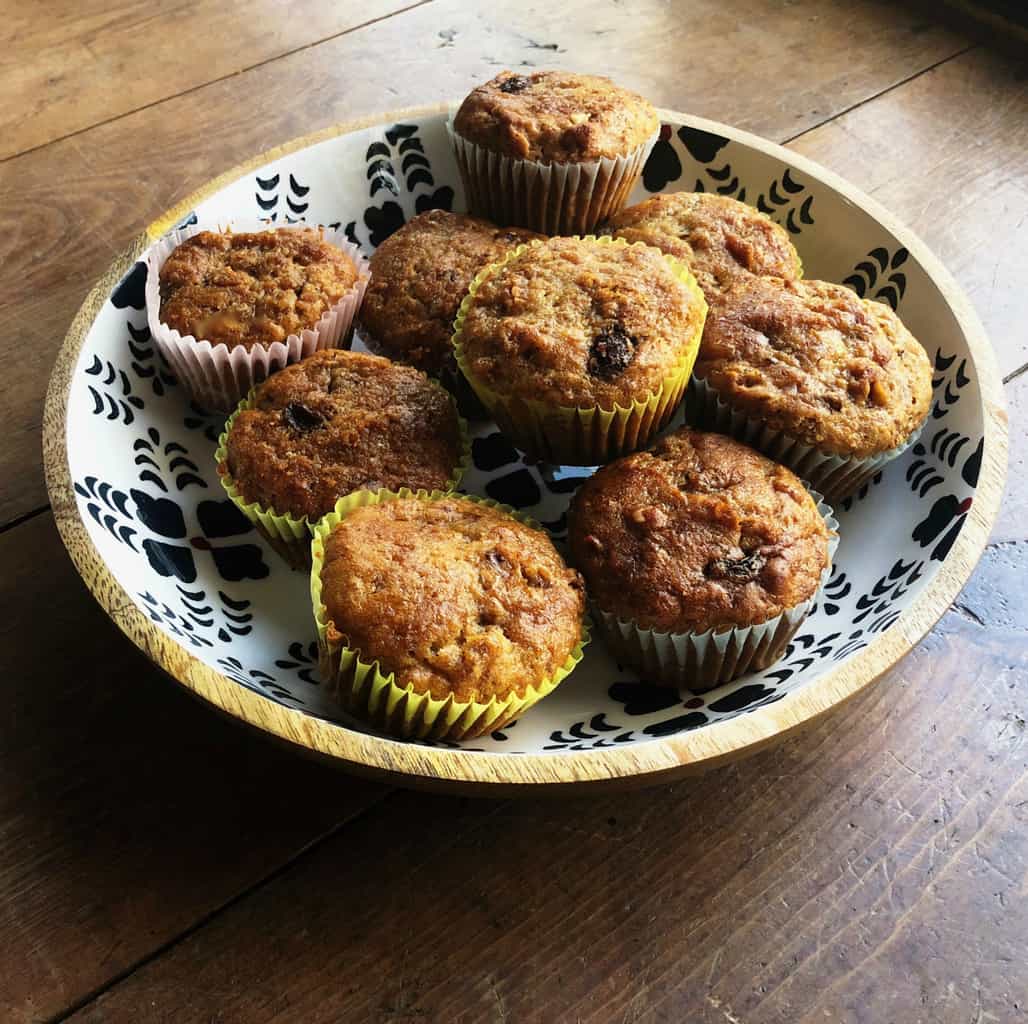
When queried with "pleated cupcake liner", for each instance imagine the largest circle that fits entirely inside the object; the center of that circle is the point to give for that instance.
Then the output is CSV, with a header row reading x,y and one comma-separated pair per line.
x,y
552,198
367,692
581,436
702,661
289,535
217,377
835,476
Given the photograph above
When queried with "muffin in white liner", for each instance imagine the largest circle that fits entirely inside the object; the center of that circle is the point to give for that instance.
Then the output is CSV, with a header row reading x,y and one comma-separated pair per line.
x,y
830,384
217,377
552,151
701,558
835,476
552,198
702,661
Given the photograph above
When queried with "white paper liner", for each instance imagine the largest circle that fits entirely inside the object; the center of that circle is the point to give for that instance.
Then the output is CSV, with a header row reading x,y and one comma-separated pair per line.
x,y
218,377
835,476
552,198
702,661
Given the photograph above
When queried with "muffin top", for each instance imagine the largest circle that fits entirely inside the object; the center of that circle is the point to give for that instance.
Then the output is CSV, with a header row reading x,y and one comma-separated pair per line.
x,y
555,117
338,422
252,289
817,362
452,596
716,237
699,533
581,322
419,276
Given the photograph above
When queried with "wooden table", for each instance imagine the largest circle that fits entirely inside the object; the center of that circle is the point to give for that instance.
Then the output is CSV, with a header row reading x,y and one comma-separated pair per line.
x,y
160,864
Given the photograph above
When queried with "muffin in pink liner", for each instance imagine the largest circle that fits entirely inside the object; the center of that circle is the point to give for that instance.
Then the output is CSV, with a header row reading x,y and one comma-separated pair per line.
x,y
228,308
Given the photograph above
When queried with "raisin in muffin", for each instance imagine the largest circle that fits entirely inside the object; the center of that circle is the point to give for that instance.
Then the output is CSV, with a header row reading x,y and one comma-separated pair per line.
x,y
580,347
718,238
701,535
336,423
553,151
251,289
419,276
469,614
835,385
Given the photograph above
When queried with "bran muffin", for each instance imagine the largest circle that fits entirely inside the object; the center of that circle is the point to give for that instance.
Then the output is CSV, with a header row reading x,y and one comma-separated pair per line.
x,y
819,366
420,273
228,309
580,347
553,151
336,423
700,535
716,237
252,288
455,600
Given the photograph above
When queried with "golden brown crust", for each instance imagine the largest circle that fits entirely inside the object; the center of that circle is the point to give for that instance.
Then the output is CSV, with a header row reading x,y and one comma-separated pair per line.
x,y
555,117
452,596
700,533
578,322
716,237
420,274
817,362
338,422
252,289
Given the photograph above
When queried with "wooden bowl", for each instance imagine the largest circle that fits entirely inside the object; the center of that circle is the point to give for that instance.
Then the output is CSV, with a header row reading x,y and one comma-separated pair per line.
x,y
133,486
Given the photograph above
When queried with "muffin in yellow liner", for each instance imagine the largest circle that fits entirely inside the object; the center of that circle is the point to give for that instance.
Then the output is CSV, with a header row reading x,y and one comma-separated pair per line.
x,y
290,534
588,434
373,695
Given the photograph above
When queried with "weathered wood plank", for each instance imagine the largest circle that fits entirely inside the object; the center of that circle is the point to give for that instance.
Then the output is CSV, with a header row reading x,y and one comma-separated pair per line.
x,y
868,871
65,208
948,154
127,810
59,60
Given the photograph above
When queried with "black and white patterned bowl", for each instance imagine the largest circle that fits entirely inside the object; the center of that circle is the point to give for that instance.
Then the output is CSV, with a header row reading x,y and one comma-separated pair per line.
x,y
131,475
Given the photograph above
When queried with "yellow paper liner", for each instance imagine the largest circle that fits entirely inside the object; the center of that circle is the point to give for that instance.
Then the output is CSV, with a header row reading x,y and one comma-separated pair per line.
x,y
373,696
581,436
291,536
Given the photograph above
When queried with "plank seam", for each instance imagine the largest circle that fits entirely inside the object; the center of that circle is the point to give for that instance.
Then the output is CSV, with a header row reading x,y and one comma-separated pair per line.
x,y
213,81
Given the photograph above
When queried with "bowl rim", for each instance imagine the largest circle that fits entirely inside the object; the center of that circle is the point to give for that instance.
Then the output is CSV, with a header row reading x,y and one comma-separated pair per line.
x,y
496,773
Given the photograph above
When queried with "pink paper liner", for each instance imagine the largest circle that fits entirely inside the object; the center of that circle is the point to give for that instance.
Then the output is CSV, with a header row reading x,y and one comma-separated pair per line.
x,y
218,377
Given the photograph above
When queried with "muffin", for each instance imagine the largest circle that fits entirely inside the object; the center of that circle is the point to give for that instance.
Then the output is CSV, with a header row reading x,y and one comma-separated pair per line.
x,y
552,151
227,309
701,557
419,276
830,384
717,238
441,616
336,423
580,347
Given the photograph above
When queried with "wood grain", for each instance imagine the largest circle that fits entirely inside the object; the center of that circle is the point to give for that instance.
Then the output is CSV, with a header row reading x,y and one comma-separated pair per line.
x,y
948,154
67,209
869,872
127,810
59,59
1012,523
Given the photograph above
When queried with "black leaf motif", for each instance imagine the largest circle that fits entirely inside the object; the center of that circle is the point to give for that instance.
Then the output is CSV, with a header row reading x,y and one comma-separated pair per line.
x,y
518,489
702,146
131,289
643,698
681,723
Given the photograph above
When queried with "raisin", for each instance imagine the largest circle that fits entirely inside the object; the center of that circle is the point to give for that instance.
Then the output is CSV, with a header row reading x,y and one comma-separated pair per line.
x,y
516,83
740,570
611,352
297,416
497,561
